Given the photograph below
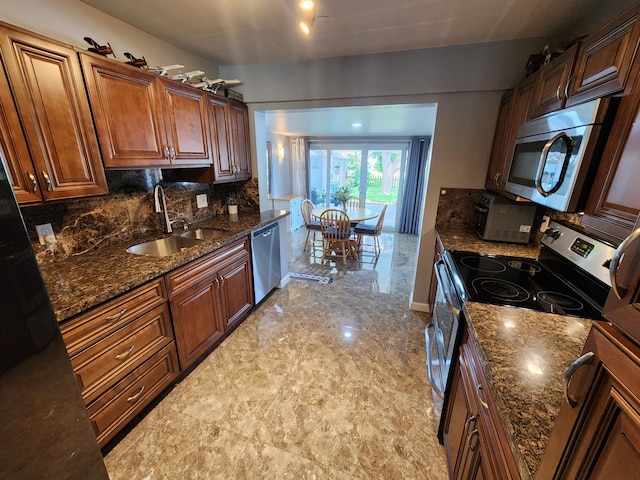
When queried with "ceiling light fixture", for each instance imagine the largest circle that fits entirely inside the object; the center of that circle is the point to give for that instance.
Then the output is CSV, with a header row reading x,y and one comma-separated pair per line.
x,y
356,124
307,4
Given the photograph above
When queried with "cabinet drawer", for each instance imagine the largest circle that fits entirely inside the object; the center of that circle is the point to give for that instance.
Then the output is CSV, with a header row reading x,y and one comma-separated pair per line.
x,y
92,326
110,359
115,408
185,277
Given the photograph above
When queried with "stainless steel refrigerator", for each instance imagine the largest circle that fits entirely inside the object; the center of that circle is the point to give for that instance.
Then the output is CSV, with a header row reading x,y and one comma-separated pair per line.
x,y
44,426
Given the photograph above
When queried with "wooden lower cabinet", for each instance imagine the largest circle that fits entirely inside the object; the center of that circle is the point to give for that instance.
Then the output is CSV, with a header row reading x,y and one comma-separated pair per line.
x,y
474,438
208,296
123,354
598,437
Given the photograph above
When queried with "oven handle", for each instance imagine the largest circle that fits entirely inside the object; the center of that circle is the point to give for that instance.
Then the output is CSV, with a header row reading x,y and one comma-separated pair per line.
x,y
429,368
615,263
445,283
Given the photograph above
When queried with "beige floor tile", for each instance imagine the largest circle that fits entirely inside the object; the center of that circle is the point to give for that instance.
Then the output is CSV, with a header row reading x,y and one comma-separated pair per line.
x,y
319,382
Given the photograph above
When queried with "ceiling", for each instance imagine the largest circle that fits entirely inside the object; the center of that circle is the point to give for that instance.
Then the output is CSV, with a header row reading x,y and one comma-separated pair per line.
x,y
377,120
235,32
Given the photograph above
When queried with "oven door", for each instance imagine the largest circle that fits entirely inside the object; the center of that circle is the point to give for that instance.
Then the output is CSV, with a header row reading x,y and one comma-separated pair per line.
x,y
441,336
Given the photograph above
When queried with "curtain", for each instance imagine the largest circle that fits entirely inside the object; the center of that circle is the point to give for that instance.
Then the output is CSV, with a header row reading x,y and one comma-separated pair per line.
x,y
412,201
299,166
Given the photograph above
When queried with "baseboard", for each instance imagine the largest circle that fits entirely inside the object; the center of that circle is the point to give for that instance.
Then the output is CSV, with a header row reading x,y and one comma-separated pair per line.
x,y
420,307
284,281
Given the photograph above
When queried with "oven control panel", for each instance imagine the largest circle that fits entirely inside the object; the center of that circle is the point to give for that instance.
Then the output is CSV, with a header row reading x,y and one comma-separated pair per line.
x,y
582,247
588,253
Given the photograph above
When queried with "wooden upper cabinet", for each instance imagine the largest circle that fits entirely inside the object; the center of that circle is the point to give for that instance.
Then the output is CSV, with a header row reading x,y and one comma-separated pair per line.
x,y
14,151
551,89
52,106
186,122
605,58
143,120
241,145
223,151
613,206
514,109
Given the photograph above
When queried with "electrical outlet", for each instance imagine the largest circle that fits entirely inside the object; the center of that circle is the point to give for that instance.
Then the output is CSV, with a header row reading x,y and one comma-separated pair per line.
x,y
45,234
201,200
545,223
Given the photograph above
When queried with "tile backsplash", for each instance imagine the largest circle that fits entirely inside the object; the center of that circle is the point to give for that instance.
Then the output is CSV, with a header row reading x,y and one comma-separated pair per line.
x,y
126,213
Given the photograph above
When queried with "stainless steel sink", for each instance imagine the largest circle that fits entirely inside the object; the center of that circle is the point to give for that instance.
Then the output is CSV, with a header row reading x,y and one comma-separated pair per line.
x,y
205,234
164,247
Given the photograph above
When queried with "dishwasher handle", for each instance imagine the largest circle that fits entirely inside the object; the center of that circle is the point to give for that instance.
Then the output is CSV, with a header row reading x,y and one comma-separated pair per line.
x,y
264,231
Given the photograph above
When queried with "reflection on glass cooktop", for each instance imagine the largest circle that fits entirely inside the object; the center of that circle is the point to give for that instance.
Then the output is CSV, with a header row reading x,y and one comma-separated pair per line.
x,y
519,282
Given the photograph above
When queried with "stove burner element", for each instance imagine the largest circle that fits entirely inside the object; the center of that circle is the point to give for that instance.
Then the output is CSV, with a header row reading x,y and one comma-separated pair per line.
x,y
524,266
559,301
501,289
483,264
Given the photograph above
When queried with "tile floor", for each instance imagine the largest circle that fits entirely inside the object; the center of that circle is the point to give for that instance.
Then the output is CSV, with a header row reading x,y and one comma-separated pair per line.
x,y
319,382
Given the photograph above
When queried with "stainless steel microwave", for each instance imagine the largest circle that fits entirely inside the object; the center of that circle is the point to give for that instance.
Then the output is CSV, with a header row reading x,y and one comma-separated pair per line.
x,y
556,155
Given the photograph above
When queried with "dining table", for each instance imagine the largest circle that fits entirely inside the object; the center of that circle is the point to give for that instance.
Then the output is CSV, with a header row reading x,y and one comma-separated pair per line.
x,y
354,214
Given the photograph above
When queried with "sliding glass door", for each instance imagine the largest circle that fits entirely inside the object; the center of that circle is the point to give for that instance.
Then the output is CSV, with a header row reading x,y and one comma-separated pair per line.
x,y
372,170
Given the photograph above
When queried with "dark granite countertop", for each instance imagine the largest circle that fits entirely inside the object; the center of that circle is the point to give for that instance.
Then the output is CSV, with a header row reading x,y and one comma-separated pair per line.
x,y
524,355
78,283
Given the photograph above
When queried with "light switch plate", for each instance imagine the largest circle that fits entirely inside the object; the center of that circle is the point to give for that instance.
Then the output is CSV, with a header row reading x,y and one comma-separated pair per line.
x,y
201,200
45,234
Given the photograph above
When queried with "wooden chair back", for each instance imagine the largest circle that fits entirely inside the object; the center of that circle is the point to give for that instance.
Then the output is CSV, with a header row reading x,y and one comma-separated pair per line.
x,y
307,207
335,225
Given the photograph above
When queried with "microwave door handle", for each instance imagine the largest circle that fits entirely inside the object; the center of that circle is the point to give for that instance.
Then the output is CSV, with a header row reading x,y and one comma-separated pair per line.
x,y
543,160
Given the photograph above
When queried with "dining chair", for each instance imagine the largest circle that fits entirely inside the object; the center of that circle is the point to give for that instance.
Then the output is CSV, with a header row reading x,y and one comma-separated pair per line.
x,y
311,224
354,204
336,235
366,230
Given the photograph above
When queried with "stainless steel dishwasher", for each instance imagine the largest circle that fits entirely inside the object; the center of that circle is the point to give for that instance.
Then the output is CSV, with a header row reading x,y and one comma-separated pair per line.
x,y
265,253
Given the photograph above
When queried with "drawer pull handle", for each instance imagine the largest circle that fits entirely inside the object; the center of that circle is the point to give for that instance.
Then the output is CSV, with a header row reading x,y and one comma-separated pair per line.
x,y
114,318
586,359
126,354
134,398
473,434
480,391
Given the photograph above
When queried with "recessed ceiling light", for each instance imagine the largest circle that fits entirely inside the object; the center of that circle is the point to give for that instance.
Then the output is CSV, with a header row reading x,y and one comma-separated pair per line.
x,y
307,4
356,124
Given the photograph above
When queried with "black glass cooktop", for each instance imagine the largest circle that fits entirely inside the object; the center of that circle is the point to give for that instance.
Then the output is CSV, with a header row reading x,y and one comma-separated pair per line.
x,y
519,282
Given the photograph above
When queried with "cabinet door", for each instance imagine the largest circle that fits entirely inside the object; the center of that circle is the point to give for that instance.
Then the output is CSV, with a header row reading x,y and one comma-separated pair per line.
x,y
236,291
14,152
501,141
240,135
605,58
186,123
46,81
614,203
551,89
603,442
127,112
197,320
223,168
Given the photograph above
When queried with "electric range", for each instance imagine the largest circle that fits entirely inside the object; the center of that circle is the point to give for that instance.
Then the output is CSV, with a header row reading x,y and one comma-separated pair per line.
x,y
570,277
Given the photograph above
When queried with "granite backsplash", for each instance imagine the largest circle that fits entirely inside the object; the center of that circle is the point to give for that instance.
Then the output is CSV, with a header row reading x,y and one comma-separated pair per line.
x,y
126,213
456,212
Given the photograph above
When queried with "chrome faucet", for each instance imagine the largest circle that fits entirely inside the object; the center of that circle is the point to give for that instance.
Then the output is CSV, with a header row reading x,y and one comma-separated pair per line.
x,y
158,196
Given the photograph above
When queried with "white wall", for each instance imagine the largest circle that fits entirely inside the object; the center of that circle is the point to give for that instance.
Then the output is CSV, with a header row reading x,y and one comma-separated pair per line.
x,y
466,82
69,21
281,167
